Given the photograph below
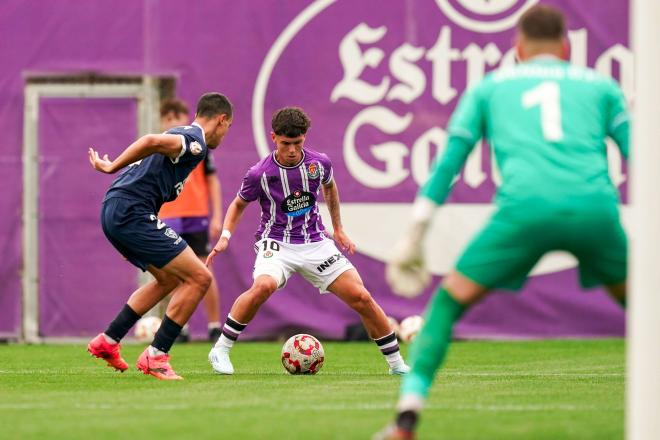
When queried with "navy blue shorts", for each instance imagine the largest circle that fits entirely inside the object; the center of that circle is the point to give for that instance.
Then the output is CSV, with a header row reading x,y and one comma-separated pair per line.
x,y
198,242
138,234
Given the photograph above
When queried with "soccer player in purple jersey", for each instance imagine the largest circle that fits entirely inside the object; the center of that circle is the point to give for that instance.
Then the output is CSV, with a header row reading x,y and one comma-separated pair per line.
x,y
291,239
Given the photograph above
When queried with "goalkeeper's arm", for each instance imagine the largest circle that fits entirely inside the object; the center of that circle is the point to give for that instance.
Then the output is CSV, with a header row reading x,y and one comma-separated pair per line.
x,y
406,273
437,187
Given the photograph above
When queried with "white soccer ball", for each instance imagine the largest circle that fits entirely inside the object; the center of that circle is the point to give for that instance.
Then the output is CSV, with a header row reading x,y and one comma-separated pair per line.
x,y
409,327
302,354
146,328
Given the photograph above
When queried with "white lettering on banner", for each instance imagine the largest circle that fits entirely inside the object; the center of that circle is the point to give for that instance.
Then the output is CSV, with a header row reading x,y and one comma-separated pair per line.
x,y
355,61
578,44
390,153
404,69
487,9
622,57
411,83
441,56
407,73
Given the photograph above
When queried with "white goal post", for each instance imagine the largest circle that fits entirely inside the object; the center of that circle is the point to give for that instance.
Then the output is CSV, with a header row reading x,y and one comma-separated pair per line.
x,y
145,91
643,345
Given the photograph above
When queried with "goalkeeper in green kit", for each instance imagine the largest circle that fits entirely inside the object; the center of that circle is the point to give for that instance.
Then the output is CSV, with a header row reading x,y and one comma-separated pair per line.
x,y
546,122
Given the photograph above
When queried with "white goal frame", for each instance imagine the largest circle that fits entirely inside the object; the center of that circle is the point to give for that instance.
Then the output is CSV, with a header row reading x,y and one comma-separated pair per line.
x,y
643,324
145,91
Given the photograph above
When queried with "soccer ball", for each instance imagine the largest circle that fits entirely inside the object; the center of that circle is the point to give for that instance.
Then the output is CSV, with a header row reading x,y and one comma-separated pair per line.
x,y
410,327
146,328
302,354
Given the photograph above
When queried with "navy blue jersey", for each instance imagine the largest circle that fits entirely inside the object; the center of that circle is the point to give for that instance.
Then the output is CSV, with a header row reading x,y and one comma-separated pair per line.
x,y
157,179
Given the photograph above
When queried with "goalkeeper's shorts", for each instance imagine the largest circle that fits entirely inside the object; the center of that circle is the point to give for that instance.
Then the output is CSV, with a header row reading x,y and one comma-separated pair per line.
x,y
508,247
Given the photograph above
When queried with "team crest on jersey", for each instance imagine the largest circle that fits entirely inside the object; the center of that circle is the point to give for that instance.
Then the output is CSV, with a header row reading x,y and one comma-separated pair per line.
x,y
298,203
195,148
313,170
268,254
170,233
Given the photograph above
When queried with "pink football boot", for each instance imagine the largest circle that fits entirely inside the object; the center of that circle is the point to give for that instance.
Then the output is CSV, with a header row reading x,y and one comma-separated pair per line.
x,y
100,348
157,366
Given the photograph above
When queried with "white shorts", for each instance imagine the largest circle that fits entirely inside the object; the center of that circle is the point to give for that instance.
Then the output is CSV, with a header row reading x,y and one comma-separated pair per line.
x,y
319,262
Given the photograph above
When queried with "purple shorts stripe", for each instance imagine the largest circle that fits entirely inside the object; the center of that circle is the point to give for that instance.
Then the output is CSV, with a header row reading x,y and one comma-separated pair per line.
x,y
229,334
390,350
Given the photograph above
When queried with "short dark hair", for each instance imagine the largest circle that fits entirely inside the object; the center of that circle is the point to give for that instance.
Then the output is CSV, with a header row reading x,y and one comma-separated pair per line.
x,y
290,122
213,104
542,22
173,105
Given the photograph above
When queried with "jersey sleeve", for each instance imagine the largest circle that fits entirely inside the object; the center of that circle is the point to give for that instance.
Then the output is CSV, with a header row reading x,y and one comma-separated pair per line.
x,y
467,121
618,119
209,164
466,127
250,187
192,146
326,169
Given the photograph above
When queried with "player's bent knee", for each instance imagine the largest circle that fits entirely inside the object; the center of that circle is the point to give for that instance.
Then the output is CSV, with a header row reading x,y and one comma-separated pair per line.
x,y
264,286
167,282
361,300
202,278
463,289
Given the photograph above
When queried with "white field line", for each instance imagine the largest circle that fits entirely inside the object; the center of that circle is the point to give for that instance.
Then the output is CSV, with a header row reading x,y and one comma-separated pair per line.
x,y
29,406
249,376
527,374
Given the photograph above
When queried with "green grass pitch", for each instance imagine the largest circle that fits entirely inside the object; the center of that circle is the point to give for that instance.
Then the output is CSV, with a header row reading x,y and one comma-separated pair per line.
x,y
487,390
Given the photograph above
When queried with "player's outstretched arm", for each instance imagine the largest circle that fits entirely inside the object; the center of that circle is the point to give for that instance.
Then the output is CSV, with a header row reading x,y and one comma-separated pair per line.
x,y
168,144
406,272
331,196
234,213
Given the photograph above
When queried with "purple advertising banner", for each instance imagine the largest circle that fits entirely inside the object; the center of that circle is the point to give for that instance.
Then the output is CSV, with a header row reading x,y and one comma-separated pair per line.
x,y
379,79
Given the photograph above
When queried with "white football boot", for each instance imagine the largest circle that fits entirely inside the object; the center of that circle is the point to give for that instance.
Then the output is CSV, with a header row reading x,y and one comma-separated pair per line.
x,y
400,369
219,359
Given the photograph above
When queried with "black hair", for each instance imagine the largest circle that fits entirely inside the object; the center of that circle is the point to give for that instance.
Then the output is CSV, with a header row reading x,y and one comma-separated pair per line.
x,y
542,22
290,122
213,104
176,106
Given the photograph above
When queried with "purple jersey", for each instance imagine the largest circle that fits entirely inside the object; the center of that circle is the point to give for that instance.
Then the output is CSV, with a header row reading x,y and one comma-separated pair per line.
x,y
289,212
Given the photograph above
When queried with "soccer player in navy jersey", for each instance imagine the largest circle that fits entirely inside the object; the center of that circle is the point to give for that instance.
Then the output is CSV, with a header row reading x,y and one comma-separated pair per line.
x,y
157,166
292,239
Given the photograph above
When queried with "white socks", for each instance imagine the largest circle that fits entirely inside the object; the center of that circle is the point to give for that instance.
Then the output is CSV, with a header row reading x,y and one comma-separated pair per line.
x,y
230,333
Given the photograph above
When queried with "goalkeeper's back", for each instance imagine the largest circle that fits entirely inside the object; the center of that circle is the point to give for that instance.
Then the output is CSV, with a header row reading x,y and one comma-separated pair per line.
x,y
547,122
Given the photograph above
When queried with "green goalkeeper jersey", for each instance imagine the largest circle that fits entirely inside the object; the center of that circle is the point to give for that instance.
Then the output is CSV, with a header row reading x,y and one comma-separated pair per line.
x,y
546,121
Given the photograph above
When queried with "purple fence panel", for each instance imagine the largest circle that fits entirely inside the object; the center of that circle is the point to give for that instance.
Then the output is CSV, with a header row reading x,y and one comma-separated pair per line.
x,y
379,80
83,279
